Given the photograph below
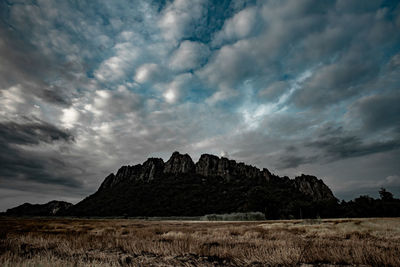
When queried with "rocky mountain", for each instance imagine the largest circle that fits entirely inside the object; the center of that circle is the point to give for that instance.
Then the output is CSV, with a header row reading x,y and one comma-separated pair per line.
x,y
312,187
51,208
180,187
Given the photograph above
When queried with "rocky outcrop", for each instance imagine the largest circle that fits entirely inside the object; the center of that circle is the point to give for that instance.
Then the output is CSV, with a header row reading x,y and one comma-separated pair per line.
x,y
313,187
109,182
151,169
51,208
180,187
212,185
210,165
207,165
179,163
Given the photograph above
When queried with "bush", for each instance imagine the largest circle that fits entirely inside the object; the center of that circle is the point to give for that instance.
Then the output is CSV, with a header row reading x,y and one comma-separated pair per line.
x,y
244,216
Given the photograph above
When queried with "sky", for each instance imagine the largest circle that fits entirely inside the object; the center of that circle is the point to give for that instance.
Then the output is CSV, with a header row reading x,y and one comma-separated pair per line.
x,y
293,86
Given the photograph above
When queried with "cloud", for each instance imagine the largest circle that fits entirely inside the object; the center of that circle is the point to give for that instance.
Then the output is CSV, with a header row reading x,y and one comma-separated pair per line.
x,y
189,56
294,161
176,89
334,82
31,133
70,116
179,18
132,79
391,180
119,65
22,160
274,90
377,112
105,105
240,26
342,145
296,124
149,72
227,68
257,53
16,69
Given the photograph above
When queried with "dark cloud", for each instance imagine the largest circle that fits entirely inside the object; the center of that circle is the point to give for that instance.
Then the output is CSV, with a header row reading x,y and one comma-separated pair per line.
x,y
377,112
338,81
332,143
31,133
347,146
21,158
293,161
357,5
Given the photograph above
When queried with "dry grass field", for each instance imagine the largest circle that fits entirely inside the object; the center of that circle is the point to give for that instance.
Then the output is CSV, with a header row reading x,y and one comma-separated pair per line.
x,y
120,242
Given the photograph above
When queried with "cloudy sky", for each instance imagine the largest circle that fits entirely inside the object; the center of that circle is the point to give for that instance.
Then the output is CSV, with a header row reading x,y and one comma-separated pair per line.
x,y
294,86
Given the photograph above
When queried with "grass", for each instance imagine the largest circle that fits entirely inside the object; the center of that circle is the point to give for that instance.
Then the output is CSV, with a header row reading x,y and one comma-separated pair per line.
x,y
124,242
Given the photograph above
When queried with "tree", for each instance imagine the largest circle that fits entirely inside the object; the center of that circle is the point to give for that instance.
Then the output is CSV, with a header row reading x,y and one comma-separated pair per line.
x,y
385,195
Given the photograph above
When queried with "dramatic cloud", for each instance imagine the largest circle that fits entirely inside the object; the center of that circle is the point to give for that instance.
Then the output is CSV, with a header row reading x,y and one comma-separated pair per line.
x,y
22,159
295,86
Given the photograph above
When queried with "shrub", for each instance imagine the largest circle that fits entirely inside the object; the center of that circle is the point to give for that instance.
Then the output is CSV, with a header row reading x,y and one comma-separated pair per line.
x,y
240,216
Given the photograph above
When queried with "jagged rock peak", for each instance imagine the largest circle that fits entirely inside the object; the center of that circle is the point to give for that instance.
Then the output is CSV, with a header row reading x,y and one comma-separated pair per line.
x,y
125,173
179,163
207,165
313,187
210,165
151,169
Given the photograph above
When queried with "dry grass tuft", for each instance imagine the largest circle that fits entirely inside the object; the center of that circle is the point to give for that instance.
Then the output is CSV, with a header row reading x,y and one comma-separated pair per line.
x,y
114,242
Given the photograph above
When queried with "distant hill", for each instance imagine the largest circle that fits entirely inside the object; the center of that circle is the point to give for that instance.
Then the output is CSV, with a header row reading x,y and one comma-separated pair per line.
x,y
180,187
51,208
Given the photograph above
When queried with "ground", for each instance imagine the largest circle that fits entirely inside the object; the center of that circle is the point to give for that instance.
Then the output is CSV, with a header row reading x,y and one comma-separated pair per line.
x,y
126,242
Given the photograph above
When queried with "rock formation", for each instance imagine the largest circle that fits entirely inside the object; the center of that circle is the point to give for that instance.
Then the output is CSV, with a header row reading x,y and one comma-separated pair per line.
x,y
208,166
180,187
313,187
179,163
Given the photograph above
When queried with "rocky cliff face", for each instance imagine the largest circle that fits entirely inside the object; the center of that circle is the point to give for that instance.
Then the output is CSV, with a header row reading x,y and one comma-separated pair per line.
x,y
313,187
179,163
148,171
208,166
51,208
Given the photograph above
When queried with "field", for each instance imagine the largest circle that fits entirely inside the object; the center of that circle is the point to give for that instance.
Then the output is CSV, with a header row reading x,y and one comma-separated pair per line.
x,y
124,242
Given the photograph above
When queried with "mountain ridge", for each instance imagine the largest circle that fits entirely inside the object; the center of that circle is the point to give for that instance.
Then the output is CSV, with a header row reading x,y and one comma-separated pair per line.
x,y
181,187
210,165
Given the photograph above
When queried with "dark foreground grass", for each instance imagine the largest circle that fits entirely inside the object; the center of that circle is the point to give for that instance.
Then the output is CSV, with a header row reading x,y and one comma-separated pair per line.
x,y
81,242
